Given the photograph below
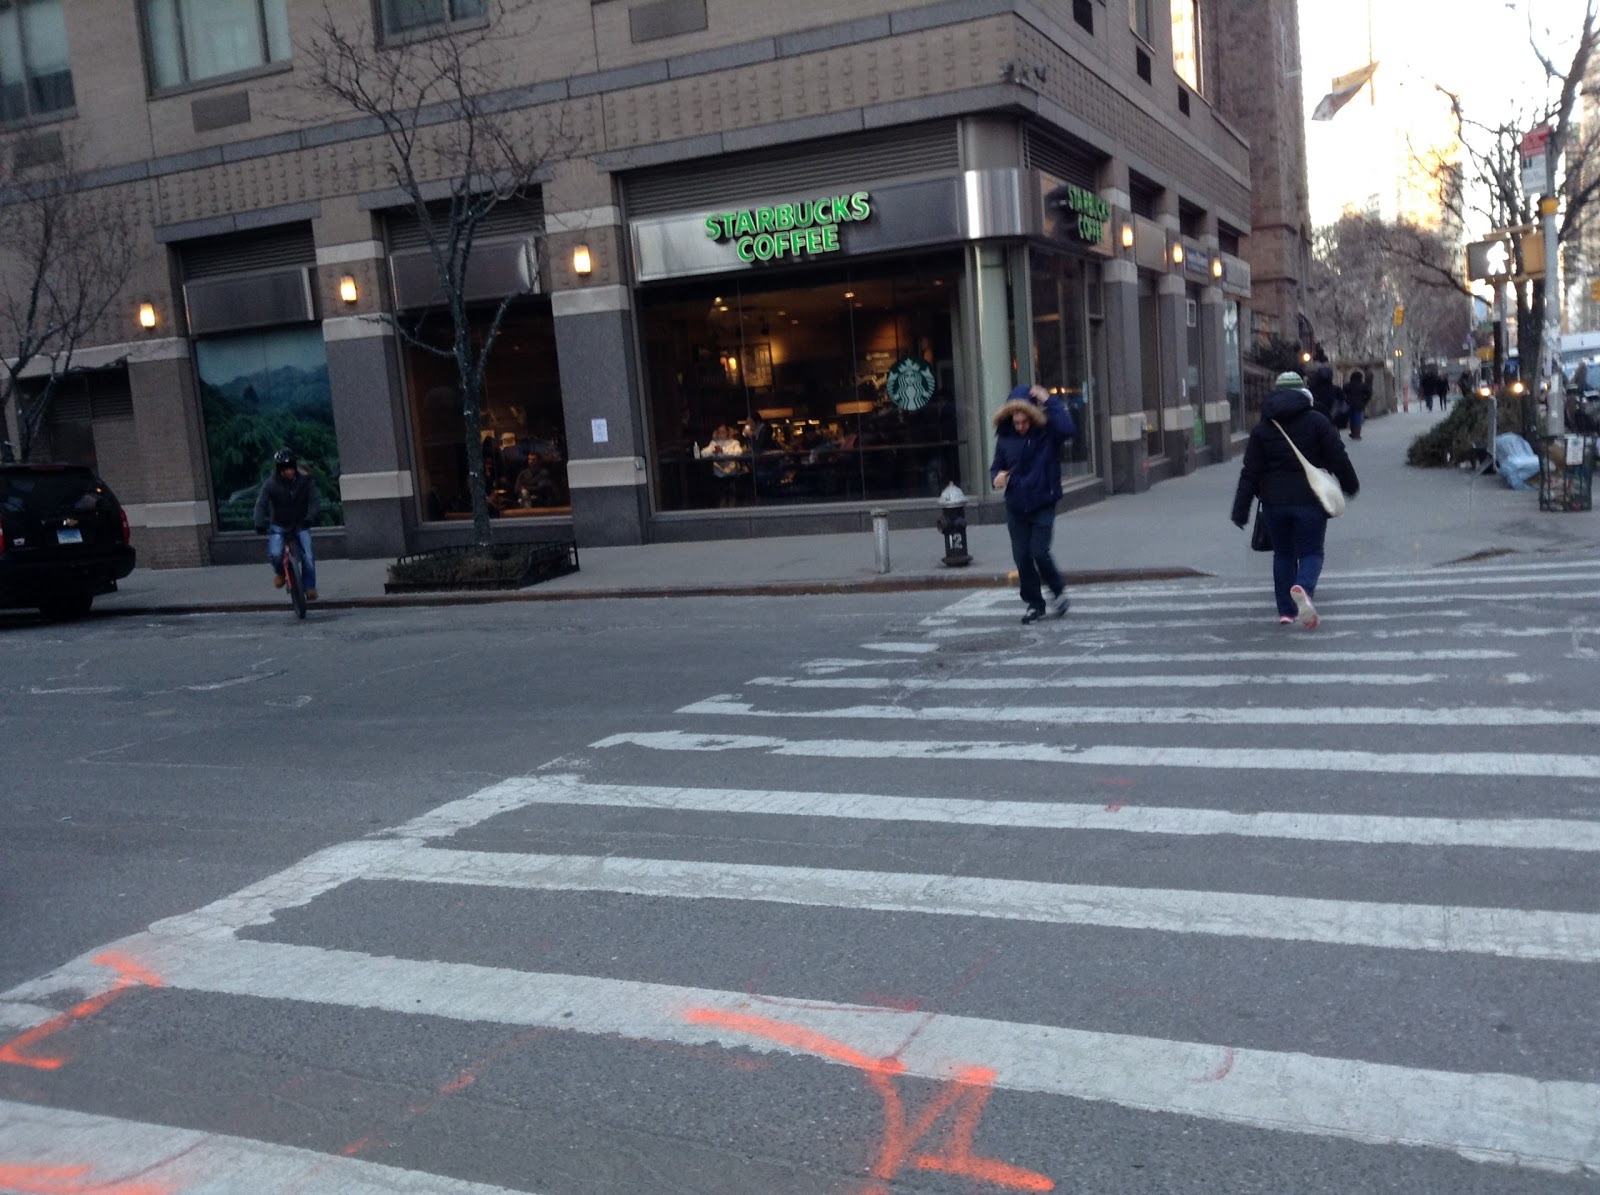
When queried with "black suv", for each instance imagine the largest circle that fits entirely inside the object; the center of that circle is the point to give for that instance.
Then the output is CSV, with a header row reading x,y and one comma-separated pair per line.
x,y
63,539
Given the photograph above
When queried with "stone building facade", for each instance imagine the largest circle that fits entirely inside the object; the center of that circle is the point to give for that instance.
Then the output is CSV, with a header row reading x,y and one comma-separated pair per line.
x,y
821,243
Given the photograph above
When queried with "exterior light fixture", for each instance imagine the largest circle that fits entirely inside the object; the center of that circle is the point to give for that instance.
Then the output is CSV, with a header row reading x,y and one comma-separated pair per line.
x,y
1127,236
147,315
582,261
348,291
1305,358
1216,267
1177,253
1516,388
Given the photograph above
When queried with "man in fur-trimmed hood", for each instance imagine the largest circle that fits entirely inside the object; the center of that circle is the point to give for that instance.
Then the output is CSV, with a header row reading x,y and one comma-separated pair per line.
x,y
1029,430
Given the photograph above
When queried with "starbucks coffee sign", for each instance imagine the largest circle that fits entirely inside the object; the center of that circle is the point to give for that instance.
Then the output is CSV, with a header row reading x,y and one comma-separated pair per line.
x,y
782,231
910,383
1092,213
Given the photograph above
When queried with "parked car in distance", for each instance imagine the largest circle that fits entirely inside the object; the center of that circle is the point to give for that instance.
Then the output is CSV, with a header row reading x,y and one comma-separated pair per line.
x,y
64,539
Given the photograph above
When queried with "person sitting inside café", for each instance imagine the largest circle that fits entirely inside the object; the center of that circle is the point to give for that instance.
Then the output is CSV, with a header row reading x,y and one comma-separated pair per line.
x,y
536,485
727,462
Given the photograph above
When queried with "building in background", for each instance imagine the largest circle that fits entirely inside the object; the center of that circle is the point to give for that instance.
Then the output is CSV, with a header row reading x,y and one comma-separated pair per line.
x,y
990,193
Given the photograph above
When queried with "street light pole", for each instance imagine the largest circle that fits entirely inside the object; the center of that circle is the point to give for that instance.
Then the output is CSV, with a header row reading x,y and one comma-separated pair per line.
x,y
1554,379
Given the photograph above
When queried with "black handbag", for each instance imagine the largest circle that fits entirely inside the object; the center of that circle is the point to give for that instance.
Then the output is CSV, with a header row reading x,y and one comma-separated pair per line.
x,y
1260,537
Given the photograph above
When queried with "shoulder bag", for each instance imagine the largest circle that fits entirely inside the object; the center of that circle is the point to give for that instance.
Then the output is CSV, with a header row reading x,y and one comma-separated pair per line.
x,y
1330,494
1260,536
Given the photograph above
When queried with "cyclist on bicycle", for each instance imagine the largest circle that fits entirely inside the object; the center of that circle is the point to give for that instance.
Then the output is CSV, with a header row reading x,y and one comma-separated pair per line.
x,y
288,504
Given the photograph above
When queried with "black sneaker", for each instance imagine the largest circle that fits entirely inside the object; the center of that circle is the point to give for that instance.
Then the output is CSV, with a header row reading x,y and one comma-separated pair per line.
x,y
1034,614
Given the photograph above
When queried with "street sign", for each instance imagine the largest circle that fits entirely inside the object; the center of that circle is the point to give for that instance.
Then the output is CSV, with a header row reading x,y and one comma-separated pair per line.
x,y
1535,161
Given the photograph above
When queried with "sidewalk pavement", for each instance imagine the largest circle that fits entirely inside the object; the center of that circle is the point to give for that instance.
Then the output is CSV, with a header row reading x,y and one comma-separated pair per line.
x,y
1403,518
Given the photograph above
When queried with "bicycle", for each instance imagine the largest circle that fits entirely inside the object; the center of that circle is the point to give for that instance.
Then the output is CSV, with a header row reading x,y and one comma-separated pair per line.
x,y
294,567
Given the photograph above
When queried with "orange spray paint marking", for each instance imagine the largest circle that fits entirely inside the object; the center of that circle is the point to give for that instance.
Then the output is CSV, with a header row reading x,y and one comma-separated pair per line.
x,y
965,1095
129,975
63,1180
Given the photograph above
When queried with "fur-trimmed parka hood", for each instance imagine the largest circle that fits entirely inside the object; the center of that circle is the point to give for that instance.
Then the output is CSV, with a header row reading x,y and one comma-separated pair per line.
x,y
1002,417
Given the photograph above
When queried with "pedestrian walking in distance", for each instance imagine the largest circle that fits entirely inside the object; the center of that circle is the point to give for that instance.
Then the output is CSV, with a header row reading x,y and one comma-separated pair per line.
x,y
1273,473
1029,431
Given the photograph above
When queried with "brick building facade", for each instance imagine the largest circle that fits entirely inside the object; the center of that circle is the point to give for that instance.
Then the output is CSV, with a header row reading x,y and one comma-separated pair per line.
x,y
989,192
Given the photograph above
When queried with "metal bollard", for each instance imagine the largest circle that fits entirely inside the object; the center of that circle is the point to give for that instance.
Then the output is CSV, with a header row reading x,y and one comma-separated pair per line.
x,y
880,540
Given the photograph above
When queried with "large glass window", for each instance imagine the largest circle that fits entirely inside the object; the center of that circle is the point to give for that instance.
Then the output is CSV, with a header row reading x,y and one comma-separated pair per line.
x,y
1062,361
35,75
406,16
259,393
192,40
1186,41
1233,366
1139,18
839,387
524,445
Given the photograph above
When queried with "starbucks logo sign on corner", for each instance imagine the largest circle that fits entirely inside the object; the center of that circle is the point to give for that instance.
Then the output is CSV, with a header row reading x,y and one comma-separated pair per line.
x,y
910,384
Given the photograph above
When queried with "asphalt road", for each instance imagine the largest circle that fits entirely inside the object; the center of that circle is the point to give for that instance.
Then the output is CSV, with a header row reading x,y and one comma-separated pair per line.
x,y
805,896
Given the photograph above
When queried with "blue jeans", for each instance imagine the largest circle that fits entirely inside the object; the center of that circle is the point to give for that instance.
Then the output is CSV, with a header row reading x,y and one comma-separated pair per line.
x,y
1030,548
1355,422
1297,534
275,535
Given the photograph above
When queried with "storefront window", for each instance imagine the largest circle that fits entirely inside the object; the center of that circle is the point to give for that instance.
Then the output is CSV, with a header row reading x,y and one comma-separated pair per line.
x,y
260,393
1150,364
1194,389
833,386
524,443
1232,366
1061,358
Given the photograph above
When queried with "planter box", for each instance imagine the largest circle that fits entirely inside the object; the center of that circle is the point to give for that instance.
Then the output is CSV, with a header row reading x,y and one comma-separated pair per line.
x,y
470,568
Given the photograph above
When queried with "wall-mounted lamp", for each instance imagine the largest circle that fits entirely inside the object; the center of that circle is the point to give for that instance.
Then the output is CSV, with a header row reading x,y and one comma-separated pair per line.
x,y
147,315
1177,253
1127,236
1216,267
348,291
582,261
1305,358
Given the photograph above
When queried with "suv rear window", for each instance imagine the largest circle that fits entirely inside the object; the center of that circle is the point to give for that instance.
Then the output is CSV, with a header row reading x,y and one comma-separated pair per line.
x,y
49,491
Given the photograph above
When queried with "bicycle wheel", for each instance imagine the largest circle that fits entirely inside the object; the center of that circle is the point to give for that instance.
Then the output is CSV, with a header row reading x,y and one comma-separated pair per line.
x,y
294,574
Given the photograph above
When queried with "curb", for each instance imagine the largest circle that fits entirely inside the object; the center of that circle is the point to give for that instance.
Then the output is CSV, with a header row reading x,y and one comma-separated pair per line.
x,y
874,585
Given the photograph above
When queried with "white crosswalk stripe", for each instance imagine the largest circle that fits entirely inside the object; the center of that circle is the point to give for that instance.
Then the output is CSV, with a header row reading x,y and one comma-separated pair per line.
x,y
1438,708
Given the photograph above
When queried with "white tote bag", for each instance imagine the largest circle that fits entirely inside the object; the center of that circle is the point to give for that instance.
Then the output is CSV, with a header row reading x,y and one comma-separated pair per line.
x,y
1323,484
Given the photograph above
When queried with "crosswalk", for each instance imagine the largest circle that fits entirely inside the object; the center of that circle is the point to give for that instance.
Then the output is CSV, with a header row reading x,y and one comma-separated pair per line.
x,y
996,902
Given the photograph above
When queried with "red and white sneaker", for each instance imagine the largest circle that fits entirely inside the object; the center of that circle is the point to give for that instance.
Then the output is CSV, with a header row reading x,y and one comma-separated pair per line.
x,y
1302,602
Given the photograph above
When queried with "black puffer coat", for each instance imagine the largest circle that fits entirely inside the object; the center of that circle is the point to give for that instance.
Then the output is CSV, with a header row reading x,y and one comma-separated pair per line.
x,y
1272,472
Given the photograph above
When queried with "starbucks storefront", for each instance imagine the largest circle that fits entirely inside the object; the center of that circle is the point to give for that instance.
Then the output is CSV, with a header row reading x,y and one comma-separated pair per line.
x,y
791,360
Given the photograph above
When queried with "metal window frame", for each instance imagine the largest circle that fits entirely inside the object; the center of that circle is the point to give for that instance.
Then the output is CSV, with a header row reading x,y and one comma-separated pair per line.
x,y
449,23
31,113
181,32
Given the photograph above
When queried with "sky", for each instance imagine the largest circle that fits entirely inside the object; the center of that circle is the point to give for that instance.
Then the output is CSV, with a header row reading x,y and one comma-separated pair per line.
x,y
1476,48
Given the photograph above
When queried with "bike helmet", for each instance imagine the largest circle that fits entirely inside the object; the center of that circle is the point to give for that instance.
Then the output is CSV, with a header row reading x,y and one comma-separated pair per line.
x,y
284,459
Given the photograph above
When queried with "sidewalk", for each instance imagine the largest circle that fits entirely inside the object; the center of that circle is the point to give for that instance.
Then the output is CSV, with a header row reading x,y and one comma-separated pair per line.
x,y
1403,518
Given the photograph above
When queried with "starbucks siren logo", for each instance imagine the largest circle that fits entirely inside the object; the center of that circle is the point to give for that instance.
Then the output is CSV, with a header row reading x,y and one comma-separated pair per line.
x,y
910,384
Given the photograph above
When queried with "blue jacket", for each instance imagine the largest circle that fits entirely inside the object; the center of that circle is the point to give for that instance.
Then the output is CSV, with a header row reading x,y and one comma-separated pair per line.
x,y
1033,460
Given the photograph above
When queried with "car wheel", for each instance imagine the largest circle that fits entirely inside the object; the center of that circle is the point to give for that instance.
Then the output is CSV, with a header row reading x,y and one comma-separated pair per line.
x,y
64,609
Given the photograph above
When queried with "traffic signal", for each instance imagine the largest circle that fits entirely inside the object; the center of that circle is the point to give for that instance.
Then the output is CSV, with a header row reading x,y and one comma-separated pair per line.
x,y
1399,315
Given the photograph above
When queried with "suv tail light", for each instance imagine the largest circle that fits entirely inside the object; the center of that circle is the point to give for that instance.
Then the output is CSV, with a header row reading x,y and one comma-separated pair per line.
x,y
127,532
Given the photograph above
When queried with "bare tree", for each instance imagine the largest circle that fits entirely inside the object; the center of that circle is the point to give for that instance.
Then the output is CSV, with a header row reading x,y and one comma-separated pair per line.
x,y
69,254
456,152
1490,188
1363,268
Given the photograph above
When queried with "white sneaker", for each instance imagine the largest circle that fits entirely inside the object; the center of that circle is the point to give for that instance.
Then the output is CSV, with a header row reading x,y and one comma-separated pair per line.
x,y
1060,604
1302,603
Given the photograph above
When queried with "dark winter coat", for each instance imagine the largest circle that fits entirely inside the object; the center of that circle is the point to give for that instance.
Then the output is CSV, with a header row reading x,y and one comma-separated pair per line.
x,y
1272,472
1033,461
291,506
1357,393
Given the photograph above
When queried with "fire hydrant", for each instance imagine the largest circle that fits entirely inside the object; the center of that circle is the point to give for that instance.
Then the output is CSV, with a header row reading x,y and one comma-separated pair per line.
x,y
953,523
